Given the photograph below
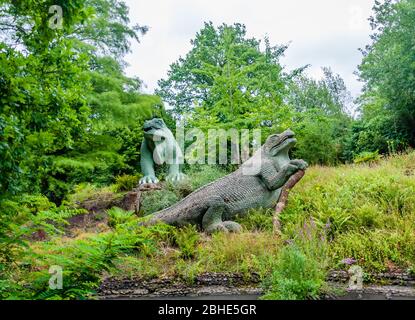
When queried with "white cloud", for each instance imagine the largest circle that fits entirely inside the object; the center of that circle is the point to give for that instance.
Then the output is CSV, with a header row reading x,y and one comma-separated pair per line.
x,y
322,32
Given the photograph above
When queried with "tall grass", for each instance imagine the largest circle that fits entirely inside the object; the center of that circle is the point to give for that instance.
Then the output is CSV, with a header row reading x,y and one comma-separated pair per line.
x,y
361,214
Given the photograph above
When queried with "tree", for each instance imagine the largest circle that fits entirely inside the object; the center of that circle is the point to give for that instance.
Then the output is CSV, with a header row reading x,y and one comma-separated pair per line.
x,y
388,69
322,120
118,112
226,75
45,81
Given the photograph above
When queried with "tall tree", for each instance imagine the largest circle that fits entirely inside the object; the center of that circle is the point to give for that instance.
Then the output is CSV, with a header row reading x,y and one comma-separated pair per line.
x,y
45,57
322,119
226,75
388,69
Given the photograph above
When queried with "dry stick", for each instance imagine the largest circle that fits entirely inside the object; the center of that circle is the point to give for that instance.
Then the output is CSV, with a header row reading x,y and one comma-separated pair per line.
x,y
131,201
282,201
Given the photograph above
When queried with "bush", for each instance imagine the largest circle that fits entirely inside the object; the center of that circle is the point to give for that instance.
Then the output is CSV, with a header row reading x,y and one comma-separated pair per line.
x,y
156,200
296,277
126,182
186,239
367,157
257,220
203,174
301,267
117,216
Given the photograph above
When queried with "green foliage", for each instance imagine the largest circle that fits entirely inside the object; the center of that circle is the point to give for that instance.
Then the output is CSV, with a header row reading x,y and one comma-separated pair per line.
x,y
388,69
358,205
20,218
378,130
239,253
295,277
203,174
84,260
258,220
88,191
71,123
301,267
322,119
186,239
117,216
55,83
11,152
367,157
222,71
119,112
358,212
157,200
376,249
126,182
226,81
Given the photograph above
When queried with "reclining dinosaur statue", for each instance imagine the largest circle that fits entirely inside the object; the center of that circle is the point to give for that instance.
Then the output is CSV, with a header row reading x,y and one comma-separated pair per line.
x,y
257,183
159,146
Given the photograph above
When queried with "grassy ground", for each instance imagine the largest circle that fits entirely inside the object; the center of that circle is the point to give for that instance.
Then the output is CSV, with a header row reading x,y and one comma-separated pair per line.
x,y
353,214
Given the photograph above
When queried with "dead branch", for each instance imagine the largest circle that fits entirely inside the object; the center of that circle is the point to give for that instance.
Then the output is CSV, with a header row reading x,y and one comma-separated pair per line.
x,y
283,200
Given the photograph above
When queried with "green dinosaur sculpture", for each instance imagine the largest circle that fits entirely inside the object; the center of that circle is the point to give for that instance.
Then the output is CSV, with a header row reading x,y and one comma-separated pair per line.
x,y
257,183
159,146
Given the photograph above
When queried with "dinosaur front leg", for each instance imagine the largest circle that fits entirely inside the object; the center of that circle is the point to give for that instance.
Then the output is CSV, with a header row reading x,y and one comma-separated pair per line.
x,y
212,219
175,175
147,165
275,179
174,159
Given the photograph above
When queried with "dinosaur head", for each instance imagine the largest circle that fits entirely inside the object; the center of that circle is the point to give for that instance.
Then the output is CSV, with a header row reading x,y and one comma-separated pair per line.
x,y
278,143
154,127
160,139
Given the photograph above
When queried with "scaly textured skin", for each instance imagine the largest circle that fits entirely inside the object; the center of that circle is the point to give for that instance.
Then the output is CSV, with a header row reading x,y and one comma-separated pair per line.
x,y
257,183
159,146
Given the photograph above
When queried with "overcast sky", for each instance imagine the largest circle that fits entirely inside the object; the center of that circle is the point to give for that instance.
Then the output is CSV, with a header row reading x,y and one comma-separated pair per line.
x,y
321,32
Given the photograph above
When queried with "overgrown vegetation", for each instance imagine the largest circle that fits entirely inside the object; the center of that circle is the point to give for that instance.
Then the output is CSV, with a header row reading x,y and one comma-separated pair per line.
x,y
70,134
359,213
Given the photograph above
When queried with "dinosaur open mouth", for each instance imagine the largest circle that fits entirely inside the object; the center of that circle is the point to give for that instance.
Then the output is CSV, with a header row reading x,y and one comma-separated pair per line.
x,y
287,137
287,140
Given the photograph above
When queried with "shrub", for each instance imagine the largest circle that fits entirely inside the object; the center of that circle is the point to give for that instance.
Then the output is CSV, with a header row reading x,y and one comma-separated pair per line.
x,y
296,276
257,220
156,200
367,157
301,267
203,174
117,216
126,182
186,239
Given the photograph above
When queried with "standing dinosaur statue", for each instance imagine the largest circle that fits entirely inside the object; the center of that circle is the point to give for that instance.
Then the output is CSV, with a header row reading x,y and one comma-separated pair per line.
x,y
257,183
159,146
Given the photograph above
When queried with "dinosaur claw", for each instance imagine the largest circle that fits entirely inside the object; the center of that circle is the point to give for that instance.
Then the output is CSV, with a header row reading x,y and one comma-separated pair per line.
x,y
225,226
176,177
300,164
148,179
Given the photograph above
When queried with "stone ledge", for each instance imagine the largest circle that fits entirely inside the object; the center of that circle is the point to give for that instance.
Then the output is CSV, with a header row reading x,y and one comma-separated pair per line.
x,y
394,285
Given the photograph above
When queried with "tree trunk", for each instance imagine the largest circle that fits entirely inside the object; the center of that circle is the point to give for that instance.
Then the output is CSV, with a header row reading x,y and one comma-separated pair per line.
x,y
282,201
